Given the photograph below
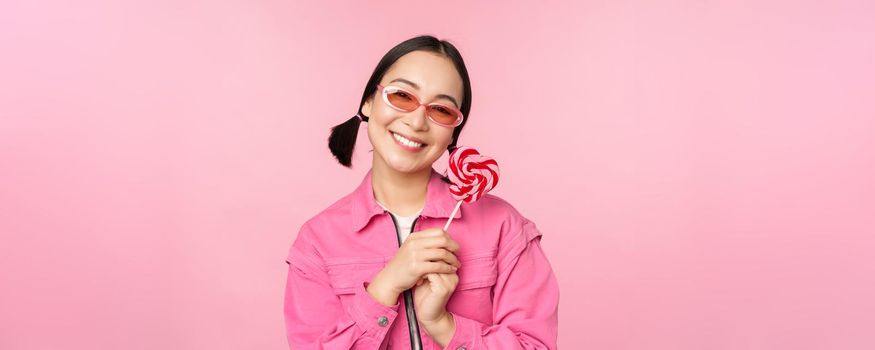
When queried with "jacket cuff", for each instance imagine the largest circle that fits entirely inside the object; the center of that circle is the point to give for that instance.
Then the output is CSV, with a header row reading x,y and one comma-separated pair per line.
x,y
370,315
467,332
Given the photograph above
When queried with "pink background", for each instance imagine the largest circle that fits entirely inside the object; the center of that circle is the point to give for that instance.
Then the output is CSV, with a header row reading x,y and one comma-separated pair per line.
x,y
702,171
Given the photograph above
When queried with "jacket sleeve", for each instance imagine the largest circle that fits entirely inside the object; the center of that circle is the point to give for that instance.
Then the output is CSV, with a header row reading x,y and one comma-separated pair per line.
x,y
314,315
525,301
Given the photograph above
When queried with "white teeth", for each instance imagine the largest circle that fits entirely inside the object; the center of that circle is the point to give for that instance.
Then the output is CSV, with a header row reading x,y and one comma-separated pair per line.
x,y
405,141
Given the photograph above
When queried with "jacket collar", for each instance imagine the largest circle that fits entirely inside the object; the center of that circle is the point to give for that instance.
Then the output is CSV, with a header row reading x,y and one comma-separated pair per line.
x,y
439,203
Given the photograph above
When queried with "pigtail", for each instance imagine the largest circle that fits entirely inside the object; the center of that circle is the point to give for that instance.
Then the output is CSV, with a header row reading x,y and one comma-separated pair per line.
x,y
341,142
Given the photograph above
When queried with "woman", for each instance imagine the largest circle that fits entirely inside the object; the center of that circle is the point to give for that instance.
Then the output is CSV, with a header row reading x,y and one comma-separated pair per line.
x,y
360,279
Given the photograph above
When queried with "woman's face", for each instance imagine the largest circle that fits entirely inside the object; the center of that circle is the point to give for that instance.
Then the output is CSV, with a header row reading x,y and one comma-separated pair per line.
x,y
427,75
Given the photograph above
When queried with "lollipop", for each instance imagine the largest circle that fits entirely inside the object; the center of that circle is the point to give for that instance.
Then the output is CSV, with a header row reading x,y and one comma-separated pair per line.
x,y
472,175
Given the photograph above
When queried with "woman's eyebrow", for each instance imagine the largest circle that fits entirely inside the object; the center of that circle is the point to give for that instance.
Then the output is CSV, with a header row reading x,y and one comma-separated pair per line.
x,y
408,82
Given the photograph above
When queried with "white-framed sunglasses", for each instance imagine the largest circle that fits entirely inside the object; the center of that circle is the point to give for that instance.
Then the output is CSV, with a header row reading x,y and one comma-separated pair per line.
x,y
406,101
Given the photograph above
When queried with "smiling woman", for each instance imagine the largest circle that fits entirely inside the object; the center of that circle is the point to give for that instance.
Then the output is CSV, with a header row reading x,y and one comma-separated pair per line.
x,y
402,68
395,122
487,284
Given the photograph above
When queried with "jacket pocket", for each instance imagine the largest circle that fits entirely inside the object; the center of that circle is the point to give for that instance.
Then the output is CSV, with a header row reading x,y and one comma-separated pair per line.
x,y
479,269
477,277
347,274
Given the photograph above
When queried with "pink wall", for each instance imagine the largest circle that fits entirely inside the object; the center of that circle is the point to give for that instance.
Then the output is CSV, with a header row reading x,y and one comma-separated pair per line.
x,y
702,171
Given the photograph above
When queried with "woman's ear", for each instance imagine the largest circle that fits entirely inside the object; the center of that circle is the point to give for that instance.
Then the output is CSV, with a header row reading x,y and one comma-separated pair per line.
x,y
367,107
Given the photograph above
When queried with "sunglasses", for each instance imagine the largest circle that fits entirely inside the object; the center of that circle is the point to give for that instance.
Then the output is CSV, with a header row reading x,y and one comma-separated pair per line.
x,y
405,101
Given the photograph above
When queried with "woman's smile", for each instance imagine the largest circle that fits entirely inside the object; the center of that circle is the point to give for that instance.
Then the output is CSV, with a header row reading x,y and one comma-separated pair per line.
x,y
408,143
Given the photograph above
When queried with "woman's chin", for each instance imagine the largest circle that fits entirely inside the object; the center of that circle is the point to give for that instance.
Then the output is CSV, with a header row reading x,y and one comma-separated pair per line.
x,y
405,167
403,164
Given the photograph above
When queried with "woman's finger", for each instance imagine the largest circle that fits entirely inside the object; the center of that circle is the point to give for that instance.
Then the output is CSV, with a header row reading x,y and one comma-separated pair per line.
x,y
435,254
435,279
437,266
445,242
445,280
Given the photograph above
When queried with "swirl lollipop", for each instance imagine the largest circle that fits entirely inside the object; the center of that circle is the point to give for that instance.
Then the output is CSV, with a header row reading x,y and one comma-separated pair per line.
x,y
472,175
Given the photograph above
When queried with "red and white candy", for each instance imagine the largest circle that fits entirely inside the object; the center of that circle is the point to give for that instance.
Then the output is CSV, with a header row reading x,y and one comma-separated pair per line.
x,y
472,175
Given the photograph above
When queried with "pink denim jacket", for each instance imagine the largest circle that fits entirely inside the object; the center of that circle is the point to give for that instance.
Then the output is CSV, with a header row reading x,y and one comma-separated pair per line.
x,y
507,296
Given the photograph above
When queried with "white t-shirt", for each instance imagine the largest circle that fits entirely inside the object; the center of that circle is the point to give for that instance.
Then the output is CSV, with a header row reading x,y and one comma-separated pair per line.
x,y
405,223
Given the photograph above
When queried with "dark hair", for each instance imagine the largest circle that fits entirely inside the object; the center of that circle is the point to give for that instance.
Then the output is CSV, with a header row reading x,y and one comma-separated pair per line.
x,y
341,142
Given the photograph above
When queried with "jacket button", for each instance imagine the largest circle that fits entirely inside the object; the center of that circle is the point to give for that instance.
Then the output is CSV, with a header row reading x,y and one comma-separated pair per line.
x,y
383,321
462,348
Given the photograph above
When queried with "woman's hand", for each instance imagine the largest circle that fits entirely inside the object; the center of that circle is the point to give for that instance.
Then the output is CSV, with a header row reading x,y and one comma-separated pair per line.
x,y
430,301
423,252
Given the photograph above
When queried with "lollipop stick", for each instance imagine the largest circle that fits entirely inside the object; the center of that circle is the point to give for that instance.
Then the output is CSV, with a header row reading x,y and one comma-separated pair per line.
x,y
459,204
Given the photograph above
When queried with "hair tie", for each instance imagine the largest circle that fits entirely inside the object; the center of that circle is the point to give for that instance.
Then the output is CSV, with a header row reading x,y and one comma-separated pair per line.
x,y
361,117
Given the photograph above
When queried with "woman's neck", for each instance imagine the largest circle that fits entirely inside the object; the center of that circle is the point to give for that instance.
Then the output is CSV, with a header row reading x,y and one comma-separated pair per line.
x,y
402,193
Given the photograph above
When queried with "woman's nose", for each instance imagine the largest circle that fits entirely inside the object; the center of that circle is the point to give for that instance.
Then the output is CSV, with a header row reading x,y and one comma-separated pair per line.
x,y
418,120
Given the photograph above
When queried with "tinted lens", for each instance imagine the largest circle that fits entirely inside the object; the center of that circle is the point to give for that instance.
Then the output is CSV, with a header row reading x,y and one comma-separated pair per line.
x,y
402,100
442,114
